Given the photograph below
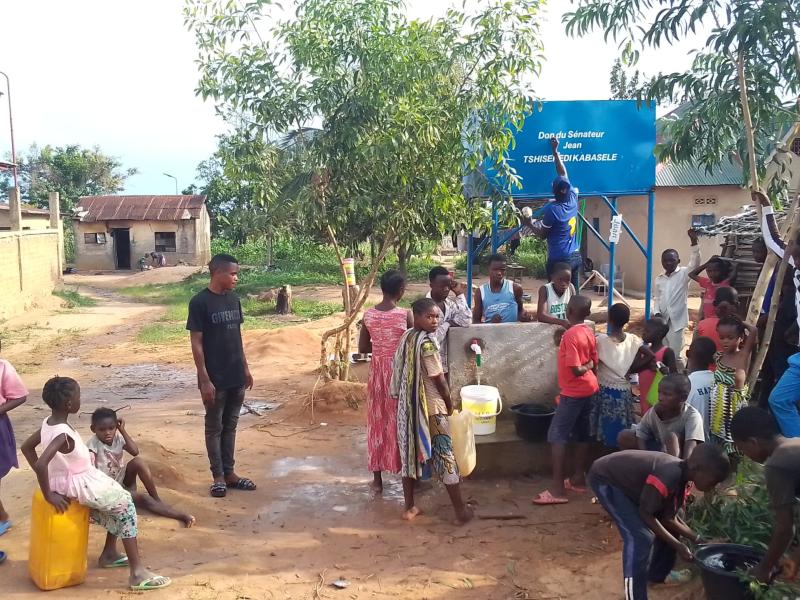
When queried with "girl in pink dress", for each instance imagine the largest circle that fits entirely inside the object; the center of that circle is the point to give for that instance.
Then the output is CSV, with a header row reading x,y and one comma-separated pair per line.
x,y
66,473
384,325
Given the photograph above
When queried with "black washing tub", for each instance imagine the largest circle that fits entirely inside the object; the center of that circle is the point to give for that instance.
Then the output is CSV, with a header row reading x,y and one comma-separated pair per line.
x,y
721,566
532,421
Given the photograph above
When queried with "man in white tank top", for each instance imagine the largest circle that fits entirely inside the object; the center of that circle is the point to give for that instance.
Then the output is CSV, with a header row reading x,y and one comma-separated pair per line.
x,y
554,297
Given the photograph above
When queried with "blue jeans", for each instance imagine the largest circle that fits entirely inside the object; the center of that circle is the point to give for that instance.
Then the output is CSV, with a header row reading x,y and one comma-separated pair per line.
x,y
784,398
644,556
575,262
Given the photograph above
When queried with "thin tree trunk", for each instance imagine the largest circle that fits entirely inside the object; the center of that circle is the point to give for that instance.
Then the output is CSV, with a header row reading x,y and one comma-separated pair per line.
x,y
755,368
755,184
343,371
367,286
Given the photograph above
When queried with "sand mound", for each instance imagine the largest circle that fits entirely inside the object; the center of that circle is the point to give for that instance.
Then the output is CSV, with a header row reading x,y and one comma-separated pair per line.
x,y
295,343
339,395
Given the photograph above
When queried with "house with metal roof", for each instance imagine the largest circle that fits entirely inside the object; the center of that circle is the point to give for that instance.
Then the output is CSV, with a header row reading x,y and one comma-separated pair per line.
x,y
114,232
686,196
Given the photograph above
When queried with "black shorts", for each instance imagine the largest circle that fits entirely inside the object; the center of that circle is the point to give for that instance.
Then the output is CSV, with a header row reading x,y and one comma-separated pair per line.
x,y
571,421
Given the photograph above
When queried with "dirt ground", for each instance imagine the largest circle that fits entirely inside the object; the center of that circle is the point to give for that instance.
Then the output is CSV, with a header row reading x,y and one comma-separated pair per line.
x,y
313,519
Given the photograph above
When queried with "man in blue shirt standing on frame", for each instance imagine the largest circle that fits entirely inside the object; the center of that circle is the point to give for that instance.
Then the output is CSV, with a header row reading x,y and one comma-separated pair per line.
x,y
559,223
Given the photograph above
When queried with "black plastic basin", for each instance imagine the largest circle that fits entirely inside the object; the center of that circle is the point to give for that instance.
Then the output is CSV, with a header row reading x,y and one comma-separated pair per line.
x,y
720,566
532,421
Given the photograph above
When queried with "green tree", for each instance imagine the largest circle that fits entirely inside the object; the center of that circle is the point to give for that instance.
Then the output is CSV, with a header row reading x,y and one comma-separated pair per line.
x,y
624,85
71,170
391,97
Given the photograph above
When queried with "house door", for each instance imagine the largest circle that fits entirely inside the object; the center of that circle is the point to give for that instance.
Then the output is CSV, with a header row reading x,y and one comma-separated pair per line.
x,y
122,248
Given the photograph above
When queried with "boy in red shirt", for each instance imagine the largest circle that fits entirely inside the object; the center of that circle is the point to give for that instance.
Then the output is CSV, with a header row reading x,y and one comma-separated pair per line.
x,y
726,302
577,361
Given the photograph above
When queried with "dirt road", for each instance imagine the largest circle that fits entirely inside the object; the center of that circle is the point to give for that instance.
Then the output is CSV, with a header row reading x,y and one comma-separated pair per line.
x,y
312,520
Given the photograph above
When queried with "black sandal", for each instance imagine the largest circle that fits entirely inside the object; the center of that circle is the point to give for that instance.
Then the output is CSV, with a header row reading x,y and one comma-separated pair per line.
x,y
242,484
218,490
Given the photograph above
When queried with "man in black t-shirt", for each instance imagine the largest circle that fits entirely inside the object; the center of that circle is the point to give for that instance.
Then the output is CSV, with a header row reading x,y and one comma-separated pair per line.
x,y
643,492
215,318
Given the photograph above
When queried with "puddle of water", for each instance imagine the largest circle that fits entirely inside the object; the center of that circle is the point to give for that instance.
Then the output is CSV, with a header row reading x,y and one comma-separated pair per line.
x,y
286,466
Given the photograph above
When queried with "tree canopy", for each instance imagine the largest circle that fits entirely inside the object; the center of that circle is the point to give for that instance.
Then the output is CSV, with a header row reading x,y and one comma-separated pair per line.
x,y
71,170
387,99
749,53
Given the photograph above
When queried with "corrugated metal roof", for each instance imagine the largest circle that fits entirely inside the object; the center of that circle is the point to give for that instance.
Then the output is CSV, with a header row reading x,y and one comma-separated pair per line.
x,y
687,175
27,209
138,208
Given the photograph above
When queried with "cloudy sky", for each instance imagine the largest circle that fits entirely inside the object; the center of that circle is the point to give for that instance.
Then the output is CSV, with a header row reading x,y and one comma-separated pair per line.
x,y
121,75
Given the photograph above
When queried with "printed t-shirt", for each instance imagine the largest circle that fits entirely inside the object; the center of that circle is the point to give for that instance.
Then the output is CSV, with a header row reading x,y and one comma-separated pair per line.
x,y
688,425
655,481
561,220
109,459
219,317
578,346
782,472
708,328
700,396
11,386
432,366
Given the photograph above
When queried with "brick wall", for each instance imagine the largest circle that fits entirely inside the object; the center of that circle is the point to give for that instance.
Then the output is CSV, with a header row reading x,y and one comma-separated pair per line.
x,y
29,269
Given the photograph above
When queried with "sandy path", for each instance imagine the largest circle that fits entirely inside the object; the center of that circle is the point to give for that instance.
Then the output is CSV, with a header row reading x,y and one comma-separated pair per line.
x,y
312,520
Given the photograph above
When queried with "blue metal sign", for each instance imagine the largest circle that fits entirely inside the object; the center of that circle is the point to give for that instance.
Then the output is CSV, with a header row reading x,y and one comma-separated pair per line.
x,y
606,145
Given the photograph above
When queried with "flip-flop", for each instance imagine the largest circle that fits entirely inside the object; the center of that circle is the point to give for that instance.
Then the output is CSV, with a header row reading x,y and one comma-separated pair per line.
x,y
156,582
571,487
546,499
4,526
122,561
218,490
2,557
243,483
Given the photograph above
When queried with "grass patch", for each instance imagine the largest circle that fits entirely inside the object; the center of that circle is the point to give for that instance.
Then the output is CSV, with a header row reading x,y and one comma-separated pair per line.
x,y
74,299
162,333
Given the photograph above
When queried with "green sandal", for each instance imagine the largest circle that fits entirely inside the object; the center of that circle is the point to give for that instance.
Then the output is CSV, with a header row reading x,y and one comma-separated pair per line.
x,y
156,582
122,561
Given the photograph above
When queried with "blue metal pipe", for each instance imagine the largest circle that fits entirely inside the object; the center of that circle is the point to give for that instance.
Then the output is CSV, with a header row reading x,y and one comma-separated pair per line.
x,y
594,231
651,207
625,225
469,269
495,222
612,253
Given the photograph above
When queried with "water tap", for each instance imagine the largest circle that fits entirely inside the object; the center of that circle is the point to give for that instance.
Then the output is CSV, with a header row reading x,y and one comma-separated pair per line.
x,y
476,348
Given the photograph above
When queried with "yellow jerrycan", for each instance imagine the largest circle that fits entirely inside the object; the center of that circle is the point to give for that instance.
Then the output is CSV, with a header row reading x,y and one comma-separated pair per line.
x,y
59,544
463,437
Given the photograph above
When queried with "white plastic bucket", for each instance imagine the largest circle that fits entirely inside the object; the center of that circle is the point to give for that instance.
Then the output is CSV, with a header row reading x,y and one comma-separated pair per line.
x,y
484,402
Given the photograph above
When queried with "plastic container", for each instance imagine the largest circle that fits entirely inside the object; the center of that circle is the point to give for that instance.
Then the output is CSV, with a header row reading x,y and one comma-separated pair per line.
x,y
59,544
484,402
532,421
349,265
719,569
463,436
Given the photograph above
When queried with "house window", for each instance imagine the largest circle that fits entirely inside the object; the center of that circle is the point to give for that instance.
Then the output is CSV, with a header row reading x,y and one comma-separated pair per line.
x,y
165,241
94,238
796,145
706,220
596,224
705,201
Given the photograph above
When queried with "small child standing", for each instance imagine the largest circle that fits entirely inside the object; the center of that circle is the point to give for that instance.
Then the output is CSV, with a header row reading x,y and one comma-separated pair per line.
x,y
726,302
423,405
577,362
720,274
643,492
108,446
654,333
65,473
12,394
730,394
672,293
701,358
